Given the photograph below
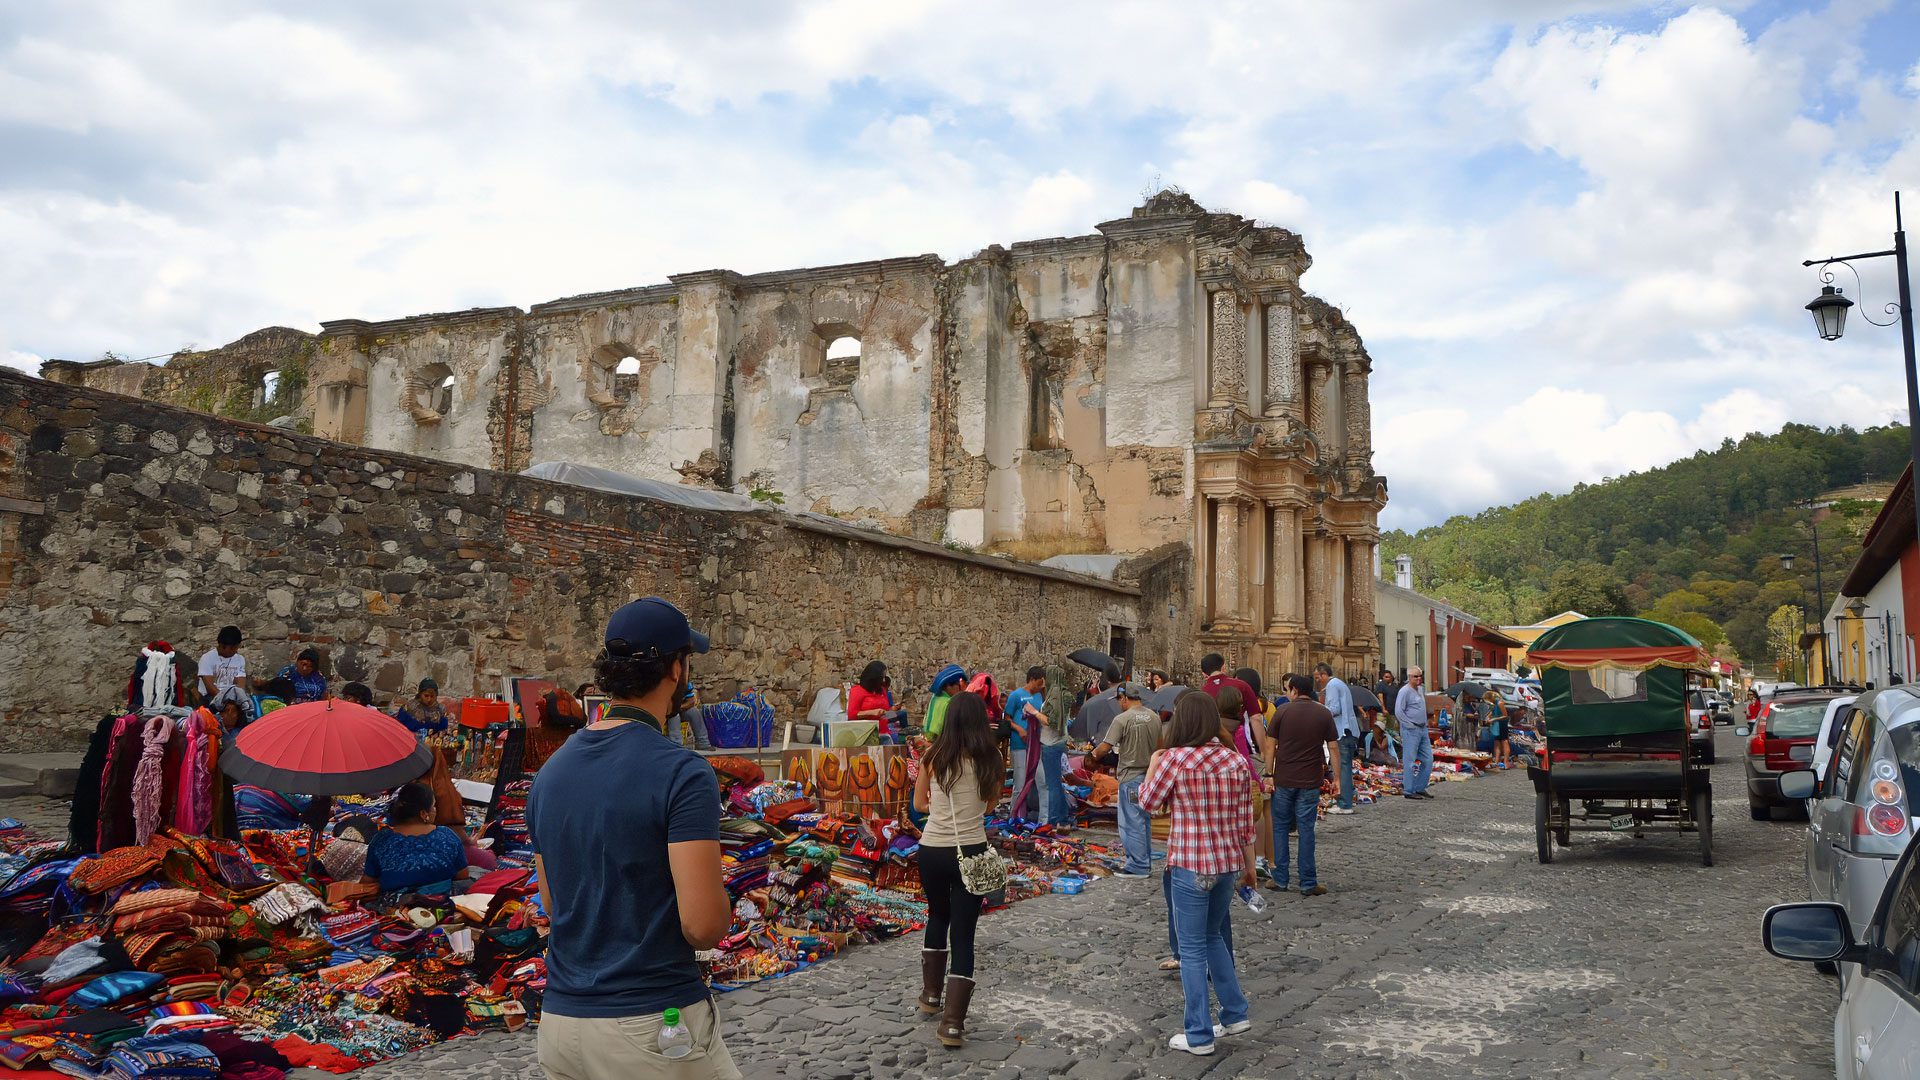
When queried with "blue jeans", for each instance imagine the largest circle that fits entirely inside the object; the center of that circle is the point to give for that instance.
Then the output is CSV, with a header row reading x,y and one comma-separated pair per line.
x,y
1053,792
1416,751
1173,931
1295,809
1136,830
1202,910
1349,747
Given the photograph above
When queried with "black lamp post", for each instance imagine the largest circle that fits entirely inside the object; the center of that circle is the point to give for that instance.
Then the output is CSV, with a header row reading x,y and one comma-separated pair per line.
x,y
1830,319
1820,590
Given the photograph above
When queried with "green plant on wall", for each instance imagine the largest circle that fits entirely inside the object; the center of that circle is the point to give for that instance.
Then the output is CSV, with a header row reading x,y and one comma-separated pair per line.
x,y
767,495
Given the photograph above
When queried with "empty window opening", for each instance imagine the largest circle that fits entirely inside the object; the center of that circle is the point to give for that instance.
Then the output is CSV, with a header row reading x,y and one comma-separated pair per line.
x,y
269,387
437,389
613,375
833,357
626,377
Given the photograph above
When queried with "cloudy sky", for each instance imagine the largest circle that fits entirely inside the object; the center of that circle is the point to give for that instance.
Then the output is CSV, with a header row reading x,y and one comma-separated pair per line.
x,y
1569,232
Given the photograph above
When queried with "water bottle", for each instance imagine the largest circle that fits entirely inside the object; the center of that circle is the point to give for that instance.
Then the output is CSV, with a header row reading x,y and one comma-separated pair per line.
x,y
675,1040
1251,897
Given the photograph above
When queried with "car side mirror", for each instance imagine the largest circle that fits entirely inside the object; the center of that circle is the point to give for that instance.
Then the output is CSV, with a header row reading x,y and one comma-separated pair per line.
x,y
1743,731
1817,932
1798,784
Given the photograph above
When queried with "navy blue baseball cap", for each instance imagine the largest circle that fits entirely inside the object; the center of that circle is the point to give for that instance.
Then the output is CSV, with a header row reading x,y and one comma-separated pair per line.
x,y
651,628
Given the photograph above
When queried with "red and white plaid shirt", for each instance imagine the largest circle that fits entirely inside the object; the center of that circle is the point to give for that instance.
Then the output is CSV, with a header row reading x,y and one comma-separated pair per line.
x,y
1209,787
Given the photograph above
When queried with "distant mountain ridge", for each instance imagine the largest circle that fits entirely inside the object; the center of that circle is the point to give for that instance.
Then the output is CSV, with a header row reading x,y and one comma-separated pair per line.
x,y
1696,542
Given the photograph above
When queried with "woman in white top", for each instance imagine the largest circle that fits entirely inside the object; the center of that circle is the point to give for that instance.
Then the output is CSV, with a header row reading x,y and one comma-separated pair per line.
x,y
960,778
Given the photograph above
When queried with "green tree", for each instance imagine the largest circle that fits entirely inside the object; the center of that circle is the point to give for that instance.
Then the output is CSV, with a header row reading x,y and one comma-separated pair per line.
x,y
1589,588
1783,638
1702,628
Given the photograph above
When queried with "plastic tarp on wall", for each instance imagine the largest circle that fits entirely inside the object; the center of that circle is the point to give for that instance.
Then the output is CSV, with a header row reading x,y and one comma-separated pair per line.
x,y
1615,676
566,472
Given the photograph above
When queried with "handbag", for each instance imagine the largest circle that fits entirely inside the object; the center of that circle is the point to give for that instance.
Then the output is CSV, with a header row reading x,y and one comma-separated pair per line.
x,y
984,872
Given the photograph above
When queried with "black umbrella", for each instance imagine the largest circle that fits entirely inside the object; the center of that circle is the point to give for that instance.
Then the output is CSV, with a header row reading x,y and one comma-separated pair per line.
x,y
1473,690
1095,714
1092,658
1364,698
1161,700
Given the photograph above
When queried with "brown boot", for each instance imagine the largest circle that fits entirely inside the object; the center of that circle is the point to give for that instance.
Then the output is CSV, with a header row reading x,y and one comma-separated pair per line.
x,y
953,1019
933,970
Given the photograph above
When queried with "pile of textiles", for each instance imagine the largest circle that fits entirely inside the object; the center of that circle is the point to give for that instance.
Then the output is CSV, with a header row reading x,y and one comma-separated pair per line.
x,y
190,956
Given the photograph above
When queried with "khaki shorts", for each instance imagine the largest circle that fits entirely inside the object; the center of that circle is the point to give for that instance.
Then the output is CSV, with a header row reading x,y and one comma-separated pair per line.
x,y
625,1047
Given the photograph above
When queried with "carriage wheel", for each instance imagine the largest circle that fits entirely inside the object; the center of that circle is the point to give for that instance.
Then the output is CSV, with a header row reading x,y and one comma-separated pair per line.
x,y
1541,835
1564,834
1702,804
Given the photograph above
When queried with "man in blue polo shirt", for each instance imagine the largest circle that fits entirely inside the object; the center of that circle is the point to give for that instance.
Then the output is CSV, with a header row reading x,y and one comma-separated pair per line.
x,y
1026,714
620,802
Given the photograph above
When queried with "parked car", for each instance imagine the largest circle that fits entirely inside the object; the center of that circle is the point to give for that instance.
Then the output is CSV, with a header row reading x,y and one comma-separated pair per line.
x,y
1861,816
1722,707
1876,1031
1700,724
1781,740
1831,728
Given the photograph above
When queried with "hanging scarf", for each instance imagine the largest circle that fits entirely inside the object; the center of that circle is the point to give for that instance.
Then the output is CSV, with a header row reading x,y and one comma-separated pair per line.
x,y
148,782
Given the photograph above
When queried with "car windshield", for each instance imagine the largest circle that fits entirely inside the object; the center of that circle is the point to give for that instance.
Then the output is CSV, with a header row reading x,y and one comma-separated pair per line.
x,y
1795,719
1699,700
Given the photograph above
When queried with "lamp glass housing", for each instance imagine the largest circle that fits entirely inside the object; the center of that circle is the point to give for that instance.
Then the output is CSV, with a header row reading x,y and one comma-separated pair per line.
x,y
1830,313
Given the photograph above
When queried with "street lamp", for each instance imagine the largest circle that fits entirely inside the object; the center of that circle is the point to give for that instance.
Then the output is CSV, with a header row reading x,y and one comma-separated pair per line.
x,y
1830,316
1818,615
1830,313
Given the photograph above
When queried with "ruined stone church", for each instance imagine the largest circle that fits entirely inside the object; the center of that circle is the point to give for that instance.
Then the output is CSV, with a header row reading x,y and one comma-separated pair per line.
x,y
1160,388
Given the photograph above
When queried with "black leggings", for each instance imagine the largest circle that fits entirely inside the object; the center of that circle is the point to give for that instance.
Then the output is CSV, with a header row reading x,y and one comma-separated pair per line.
x,y
952,911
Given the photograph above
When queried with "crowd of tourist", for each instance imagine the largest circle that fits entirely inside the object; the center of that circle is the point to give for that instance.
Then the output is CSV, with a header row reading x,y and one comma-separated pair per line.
x,y
1235,769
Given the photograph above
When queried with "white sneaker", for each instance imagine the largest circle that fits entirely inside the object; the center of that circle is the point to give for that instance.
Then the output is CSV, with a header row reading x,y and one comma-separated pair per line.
x,y
1179,1042
1223,1030
1340,810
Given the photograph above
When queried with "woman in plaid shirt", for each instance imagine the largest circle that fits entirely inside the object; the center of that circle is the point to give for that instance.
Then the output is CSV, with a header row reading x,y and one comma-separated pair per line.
x,y
1208,785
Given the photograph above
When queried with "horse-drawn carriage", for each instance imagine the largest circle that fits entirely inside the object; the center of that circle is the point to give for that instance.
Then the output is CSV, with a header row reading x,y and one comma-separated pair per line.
x,y
1617,756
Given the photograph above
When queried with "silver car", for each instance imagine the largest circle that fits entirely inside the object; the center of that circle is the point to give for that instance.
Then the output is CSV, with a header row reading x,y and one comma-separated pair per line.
x,y
1860,812
1876,1029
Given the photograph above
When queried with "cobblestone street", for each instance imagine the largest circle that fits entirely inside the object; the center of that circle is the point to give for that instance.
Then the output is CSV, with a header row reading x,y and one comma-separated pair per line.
x,y
1443,950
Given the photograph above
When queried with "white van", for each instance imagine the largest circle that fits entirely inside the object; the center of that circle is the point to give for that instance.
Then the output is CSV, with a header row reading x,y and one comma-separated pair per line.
x,y
1512,691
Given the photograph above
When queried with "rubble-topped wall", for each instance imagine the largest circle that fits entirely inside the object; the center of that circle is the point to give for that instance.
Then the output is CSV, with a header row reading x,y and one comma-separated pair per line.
x,y
1040,399
123,521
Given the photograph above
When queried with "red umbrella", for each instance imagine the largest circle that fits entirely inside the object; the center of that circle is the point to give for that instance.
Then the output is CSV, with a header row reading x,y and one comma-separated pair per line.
x,y
326,748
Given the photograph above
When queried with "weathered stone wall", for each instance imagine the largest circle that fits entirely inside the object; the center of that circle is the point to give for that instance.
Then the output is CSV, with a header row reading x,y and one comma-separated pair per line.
x,y
1163,381
122,521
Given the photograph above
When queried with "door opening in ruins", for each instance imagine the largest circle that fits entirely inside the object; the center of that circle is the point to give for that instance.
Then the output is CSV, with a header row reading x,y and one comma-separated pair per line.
x,y
1120,647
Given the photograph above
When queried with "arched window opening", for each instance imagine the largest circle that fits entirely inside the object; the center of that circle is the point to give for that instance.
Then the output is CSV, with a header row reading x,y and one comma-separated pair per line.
x,y
269,387
626,377
833,358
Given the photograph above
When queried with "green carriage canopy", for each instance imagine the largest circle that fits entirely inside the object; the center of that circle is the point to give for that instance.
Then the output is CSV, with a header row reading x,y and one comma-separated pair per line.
x,y
1615,676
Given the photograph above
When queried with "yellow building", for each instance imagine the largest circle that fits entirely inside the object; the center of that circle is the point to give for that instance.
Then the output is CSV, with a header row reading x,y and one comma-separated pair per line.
x,y
1531,632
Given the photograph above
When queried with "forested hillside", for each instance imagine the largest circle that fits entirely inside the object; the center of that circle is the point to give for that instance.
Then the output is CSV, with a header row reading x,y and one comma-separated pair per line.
x,y
1695,543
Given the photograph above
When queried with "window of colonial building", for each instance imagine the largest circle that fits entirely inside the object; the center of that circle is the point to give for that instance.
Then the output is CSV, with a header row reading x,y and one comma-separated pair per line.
x,y
832,358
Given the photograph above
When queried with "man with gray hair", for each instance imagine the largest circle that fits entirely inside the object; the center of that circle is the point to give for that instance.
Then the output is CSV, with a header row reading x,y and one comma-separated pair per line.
x,y
1338,698
1416,749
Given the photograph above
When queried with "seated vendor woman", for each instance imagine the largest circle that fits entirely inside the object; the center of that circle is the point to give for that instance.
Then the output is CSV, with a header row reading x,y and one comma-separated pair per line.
x,y
412,854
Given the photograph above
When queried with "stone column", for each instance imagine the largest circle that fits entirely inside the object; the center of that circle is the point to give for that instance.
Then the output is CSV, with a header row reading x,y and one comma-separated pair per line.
x,y
1319,584
702,366
1227,362
1285,572
1283,397
1353,392
1360,617
1229,527
1323,383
